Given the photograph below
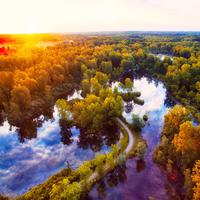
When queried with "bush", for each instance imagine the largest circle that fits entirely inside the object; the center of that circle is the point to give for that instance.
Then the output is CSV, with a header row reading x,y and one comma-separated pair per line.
x,y
138,123
145,118
141,149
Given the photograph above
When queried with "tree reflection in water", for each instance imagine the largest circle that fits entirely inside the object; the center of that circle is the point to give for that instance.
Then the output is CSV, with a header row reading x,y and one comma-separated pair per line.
x,y
169,102
2,118
65,132
128,107
108,136
117,176
28,129
140,165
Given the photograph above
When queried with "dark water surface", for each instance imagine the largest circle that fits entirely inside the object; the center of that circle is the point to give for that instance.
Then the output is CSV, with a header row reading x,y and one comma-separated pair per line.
x,y
140,180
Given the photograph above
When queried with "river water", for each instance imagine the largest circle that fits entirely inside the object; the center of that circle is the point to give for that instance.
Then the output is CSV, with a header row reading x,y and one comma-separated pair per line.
x,y
39,148
42,146
141,180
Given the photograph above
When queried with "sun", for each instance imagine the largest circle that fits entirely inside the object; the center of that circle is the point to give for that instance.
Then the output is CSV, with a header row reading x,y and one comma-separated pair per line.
x,y
31,29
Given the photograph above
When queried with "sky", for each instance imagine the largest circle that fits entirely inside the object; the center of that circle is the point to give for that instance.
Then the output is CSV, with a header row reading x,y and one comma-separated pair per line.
x,y
42,16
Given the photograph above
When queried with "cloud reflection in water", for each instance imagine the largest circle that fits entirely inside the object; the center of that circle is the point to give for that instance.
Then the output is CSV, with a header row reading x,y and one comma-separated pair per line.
x,y
23,165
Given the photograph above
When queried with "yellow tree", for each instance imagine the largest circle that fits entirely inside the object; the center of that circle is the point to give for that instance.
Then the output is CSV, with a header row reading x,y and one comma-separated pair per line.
x,y
187,141
196,180
174,118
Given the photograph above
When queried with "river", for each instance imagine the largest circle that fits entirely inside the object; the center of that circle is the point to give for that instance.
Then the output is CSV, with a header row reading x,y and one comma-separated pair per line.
x,y
39,148
162,56
140,180
42,146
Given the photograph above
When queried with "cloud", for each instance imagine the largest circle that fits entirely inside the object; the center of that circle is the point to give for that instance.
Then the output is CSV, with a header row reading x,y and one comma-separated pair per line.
x,y
6,129
153,96
23,165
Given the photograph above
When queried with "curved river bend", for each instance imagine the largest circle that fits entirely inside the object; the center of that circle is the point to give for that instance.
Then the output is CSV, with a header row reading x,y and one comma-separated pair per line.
x,y
141,180
30,154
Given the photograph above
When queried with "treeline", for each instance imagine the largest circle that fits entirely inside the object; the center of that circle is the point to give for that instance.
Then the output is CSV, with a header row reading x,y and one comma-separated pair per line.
x,y
182,73
180,147
33,76
183,79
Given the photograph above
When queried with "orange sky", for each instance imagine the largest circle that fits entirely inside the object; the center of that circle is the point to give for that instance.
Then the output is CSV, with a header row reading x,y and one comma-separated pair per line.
x,y
37,16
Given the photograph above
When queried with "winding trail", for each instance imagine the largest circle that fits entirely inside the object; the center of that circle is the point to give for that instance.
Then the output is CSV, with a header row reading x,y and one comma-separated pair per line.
x,y
130,136
128,149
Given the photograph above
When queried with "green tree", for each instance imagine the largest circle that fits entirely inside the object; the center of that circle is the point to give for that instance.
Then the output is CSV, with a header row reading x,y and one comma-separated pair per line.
x,y
66,190
138,123
141,149
128,83
115,59
106,67
63,109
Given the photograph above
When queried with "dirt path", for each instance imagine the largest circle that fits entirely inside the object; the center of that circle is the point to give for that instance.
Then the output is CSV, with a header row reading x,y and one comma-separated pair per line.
x,y
130,136
127,150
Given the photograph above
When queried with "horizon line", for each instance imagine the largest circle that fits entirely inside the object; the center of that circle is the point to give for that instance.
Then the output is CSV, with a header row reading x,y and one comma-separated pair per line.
x,y
106,31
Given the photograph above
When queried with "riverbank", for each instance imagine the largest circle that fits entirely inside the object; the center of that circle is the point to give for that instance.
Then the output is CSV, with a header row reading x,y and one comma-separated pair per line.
x,y
150,133
38,106
128,150
119,157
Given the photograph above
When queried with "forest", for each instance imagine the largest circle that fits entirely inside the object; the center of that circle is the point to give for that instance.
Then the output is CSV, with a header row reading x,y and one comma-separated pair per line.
x,y
38,71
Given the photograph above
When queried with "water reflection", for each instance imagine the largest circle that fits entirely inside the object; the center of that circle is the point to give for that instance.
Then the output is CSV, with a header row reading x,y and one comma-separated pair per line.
x,y
128,107
2,118
65,132
143,178
140,165
152,92
115,178
162,56
28,130
40,147
108,136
